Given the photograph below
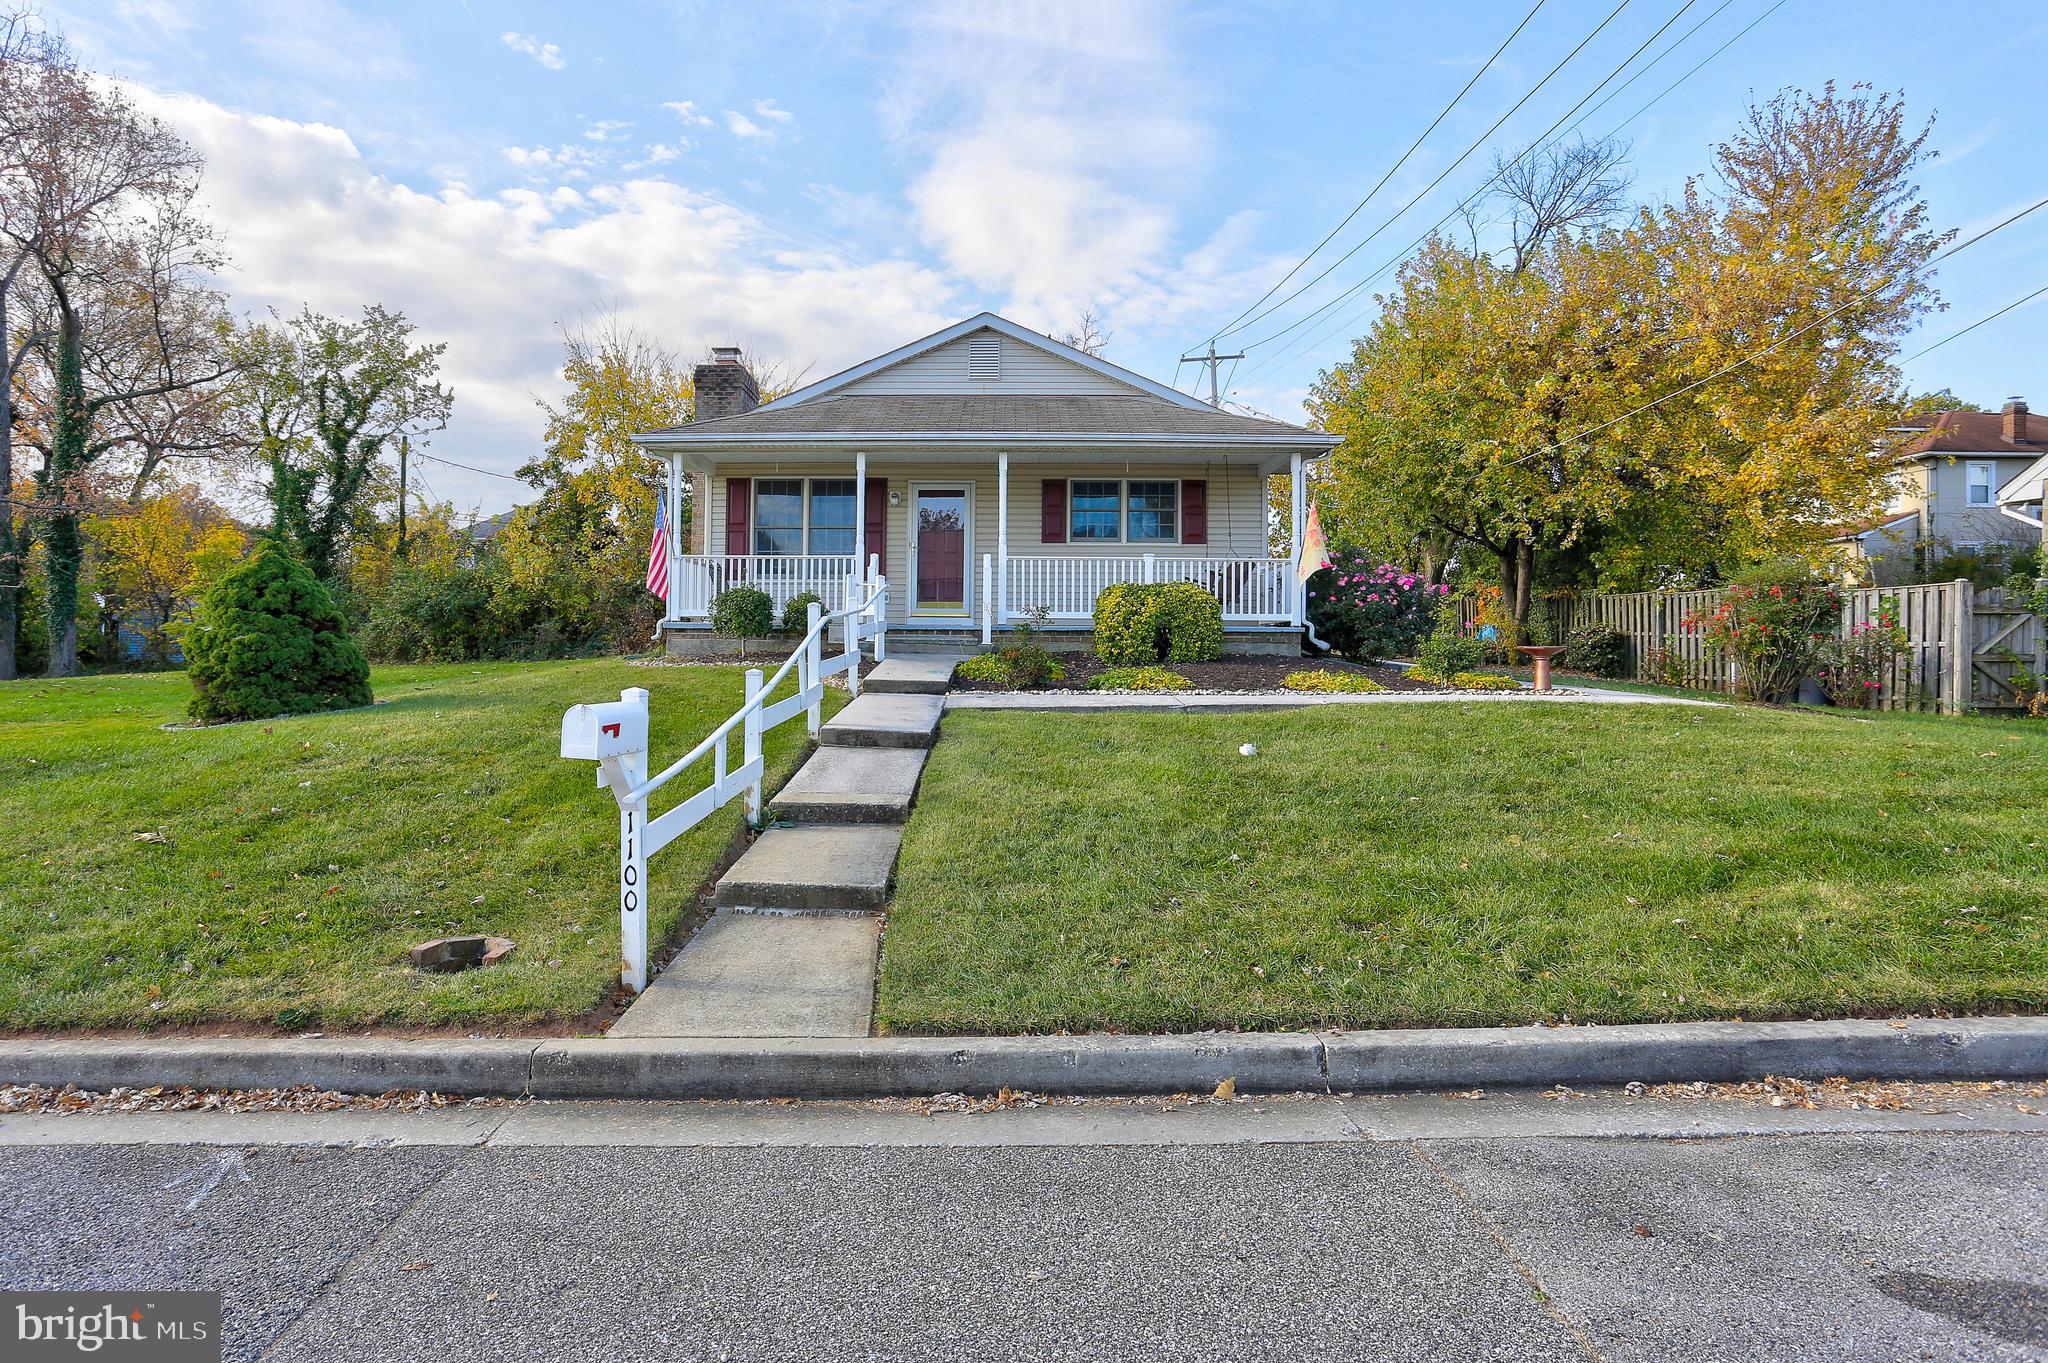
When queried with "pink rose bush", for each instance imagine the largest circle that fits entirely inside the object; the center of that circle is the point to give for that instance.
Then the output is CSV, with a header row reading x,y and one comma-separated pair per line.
x,y
1367,610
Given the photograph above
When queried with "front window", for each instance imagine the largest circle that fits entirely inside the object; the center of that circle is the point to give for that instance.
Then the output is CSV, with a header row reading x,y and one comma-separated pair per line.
x,y
1981,477
832,513
1097,510
1154,514
804,516
778,515
1118,511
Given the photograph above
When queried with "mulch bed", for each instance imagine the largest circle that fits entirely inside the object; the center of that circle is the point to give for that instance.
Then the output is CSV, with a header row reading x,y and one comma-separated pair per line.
x,y
1229,675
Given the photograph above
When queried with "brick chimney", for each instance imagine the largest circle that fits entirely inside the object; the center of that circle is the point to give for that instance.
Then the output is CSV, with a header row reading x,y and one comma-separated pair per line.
x,y
2015,421
724,386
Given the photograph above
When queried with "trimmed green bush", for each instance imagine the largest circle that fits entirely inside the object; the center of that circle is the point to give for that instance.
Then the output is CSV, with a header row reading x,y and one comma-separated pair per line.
x,y
1139,679
268,640
1141,623
1013,667
743,613
794,618
1446,653
1484,681
1599,649
1329,681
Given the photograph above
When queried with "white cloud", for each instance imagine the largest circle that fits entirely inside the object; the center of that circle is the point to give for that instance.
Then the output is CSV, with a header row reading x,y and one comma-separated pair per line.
x,y
1059,151
653,154
547,54
687,111
742,126
766,109
606,130
310,222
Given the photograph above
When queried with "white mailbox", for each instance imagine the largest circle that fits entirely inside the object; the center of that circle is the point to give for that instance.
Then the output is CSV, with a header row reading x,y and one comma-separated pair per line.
x,y
612,729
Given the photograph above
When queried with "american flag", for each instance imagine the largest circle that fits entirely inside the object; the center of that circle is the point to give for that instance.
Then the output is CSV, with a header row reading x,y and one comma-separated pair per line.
x,y
657,550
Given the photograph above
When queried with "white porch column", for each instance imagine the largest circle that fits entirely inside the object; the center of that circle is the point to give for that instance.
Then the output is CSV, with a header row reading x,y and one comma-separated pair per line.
x,y
1003,537
860,516
1298,520
675,536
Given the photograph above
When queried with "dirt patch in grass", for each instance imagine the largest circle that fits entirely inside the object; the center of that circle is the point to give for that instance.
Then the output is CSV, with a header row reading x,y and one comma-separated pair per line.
x,y
1232,674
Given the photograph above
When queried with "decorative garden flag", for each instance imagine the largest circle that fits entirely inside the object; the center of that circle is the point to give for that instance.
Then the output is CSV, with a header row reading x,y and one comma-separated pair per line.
x,y
1315,550
657,551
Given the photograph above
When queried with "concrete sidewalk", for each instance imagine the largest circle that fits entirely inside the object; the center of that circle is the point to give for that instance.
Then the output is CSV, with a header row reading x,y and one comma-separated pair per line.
x,y
1222,703
1261,1062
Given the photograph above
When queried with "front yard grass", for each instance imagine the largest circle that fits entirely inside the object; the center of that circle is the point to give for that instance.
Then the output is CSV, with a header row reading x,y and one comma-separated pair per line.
x,y
300,858
1457,865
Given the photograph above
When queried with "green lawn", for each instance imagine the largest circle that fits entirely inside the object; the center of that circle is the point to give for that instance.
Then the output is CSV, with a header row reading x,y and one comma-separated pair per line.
x,y
1452,864
301,857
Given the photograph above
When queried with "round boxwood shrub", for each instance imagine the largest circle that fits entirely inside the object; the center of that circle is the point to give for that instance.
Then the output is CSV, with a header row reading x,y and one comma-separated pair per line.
x,y
267,640
743,613
1141,623
794,611
1599,649
1446,653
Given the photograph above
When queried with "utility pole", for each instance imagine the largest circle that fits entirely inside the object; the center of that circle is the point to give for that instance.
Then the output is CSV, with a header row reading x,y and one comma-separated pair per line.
x,y
404,457
1212,359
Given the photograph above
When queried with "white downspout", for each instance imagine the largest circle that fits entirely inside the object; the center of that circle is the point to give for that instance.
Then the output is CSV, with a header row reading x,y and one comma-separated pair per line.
x,y
860,516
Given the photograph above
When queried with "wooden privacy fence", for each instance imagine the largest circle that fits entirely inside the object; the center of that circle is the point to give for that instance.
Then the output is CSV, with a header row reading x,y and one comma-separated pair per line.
x,y
1964,647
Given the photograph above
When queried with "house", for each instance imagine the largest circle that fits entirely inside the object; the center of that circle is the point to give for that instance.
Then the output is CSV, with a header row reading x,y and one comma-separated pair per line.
x,y
1962,479
986,472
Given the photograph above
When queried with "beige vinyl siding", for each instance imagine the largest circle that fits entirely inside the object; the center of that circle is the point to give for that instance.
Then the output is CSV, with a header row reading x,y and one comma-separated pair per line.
x,y
1237,510
1024,369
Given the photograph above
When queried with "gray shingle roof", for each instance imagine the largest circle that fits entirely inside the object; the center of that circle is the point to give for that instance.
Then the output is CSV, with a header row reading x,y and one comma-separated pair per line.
x,y
976,414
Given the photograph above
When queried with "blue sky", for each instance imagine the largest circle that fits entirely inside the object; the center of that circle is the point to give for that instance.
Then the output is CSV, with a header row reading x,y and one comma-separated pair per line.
x,y
822,181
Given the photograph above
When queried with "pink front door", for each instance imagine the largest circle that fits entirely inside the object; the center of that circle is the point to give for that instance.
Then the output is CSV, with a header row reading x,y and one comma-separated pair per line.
x,y
939,532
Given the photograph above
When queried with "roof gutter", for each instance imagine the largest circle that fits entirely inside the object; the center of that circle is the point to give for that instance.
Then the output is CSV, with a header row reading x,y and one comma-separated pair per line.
x,y
1309,441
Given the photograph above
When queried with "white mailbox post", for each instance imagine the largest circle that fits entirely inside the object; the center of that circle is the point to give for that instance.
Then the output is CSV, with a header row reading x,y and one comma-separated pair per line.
x,y
614,735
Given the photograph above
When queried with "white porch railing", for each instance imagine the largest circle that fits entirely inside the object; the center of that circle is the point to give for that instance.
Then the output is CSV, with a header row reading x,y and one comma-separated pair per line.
x,y
1251,589
694,579
614,735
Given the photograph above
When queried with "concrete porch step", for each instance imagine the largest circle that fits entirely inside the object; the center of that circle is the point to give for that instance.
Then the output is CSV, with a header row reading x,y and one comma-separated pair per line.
x,y
927,674
884,721
817,868
750,974
853,785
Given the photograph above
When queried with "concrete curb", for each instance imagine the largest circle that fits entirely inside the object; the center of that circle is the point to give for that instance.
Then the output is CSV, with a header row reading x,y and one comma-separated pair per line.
x,y
1217,703
1260,1062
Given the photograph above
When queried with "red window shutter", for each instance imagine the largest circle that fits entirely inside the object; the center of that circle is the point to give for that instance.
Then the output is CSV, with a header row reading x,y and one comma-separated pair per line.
x,y
1194,511
1052,505
739,498
877,530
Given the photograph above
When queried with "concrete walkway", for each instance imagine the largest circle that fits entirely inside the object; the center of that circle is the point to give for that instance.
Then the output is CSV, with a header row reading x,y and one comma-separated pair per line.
x,y
792,950
1217,703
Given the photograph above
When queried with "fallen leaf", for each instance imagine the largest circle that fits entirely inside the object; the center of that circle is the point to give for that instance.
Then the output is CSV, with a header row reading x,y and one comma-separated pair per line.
x,y
414,1268
1227,1089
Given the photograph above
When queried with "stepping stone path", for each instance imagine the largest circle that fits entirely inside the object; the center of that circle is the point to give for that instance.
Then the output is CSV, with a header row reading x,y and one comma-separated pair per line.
x,y
792,947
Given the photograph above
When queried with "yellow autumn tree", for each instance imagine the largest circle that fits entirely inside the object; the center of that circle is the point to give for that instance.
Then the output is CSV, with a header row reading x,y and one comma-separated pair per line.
x,y
1621,405
158,555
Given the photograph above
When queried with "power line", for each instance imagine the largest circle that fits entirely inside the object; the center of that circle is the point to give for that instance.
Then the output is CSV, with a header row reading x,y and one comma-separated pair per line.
x,y
1354,318
1431,186
1539,141
1989,317
1752,357
468,468
1412,146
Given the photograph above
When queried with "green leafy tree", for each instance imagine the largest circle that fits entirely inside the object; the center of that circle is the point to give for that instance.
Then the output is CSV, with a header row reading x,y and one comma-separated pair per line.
x,y
325,397
268,639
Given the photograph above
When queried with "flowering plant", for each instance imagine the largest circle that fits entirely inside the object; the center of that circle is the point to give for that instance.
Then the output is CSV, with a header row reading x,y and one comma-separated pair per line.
x,y
1856,668
1370,610
1775,624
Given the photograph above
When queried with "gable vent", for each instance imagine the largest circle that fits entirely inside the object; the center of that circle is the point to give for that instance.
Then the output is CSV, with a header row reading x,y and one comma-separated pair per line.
x,y
985,359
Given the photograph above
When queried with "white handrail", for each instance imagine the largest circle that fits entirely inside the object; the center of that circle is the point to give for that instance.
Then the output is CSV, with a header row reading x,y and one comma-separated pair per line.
x,y
754,702
614,735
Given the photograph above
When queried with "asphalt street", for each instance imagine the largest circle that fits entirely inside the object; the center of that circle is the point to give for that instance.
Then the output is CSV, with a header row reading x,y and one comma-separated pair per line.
x,y
1424,1227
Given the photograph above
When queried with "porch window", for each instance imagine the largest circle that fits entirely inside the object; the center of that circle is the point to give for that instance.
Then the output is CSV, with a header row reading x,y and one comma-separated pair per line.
x,y
803,516
778,515
1134,511
1981,477
1154,515
832,513
1096,511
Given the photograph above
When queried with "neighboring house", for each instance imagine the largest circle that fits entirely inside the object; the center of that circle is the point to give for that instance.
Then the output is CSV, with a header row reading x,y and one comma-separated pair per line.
x,y
987,472
1961,477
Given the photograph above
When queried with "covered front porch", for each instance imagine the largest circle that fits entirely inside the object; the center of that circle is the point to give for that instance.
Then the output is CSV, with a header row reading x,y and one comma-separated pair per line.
x,y
970,546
